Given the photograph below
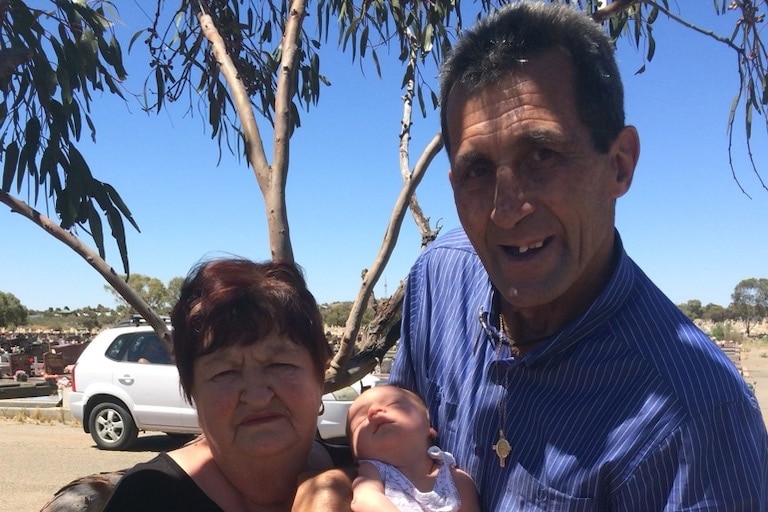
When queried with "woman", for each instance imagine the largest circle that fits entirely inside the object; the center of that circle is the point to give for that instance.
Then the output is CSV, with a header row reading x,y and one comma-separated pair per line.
x,y
249,345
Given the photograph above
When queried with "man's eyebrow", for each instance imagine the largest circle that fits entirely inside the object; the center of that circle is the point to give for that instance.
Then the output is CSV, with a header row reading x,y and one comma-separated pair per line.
x,y
468,158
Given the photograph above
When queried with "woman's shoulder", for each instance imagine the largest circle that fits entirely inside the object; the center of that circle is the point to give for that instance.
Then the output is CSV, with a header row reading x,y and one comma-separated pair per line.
x,y
159,484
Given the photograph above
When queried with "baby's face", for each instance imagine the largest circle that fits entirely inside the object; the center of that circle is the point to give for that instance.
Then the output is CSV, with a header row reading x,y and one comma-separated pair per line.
x,y
383,421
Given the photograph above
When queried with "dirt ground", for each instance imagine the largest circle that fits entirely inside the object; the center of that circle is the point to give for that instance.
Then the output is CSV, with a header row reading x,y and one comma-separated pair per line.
x,y
754,364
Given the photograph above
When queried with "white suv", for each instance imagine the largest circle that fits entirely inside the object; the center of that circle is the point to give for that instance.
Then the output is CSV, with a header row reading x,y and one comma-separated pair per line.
x,y
115,395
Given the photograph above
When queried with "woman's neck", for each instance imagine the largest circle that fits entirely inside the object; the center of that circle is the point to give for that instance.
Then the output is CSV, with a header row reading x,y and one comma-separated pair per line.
x,y
244,485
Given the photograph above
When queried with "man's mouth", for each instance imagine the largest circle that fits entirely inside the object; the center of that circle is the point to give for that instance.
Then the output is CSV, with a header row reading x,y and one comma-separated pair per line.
x,y
526,248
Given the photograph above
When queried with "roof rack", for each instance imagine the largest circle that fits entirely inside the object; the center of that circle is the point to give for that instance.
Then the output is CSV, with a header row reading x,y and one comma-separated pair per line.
x,y
137,320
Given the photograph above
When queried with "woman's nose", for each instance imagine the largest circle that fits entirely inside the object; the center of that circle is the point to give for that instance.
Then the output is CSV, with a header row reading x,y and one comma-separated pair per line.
x,y
257,388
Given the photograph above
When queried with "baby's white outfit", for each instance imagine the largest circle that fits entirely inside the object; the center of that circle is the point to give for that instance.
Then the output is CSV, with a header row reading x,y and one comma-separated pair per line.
x,y
444,497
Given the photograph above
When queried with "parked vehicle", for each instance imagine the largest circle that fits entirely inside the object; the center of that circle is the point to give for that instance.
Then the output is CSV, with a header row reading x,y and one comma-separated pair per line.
x,y
115,396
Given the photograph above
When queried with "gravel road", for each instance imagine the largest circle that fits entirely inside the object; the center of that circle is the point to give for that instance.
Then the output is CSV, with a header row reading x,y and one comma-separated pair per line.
x,y
37,459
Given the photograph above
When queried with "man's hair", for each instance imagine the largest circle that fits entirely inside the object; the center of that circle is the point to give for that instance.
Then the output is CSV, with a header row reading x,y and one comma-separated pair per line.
x,y
237,302
497,45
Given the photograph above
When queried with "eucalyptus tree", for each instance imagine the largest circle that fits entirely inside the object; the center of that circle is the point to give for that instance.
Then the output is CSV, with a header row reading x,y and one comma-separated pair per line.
x,y
246,58
12,311
750,301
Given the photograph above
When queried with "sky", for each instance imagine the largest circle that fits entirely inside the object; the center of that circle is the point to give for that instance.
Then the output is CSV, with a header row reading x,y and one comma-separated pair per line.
x,y
685,221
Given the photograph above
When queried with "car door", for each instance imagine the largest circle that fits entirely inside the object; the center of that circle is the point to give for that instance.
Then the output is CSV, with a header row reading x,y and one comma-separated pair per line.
x,y
153,386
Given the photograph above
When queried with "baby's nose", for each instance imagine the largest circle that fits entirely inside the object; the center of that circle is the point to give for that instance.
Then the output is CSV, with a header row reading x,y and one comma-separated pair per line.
x,y
374,411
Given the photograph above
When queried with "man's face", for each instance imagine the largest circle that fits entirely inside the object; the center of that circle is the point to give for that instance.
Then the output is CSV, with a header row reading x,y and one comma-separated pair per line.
x,y
535,198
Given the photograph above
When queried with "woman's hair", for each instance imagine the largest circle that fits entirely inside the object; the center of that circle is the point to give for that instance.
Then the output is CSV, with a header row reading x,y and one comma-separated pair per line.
x,y
499,43
236,301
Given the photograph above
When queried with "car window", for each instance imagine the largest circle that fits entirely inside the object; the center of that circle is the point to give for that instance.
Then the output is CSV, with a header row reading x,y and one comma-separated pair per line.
x,y
117,348
147,348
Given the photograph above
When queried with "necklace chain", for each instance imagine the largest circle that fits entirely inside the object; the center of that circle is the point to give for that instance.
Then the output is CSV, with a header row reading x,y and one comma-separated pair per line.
x,y
502,446
515,343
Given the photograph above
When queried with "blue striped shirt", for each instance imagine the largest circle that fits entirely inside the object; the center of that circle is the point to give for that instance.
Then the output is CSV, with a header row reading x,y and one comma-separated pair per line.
x,y
629,407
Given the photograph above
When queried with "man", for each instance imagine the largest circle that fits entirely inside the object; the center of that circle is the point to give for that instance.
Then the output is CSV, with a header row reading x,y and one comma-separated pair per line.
x,y
556,372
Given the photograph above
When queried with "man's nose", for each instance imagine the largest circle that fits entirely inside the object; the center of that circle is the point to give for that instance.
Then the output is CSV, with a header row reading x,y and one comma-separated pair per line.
x,y
511,202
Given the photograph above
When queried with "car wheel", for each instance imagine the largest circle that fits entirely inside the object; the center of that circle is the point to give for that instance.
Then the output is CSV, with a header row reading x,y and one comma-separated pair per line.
x,y
112,427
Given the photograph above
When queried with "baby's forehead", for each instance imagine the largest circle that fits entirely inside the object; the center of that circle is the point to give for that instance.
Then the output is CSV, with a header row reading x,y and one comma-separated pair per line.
x,y
384,392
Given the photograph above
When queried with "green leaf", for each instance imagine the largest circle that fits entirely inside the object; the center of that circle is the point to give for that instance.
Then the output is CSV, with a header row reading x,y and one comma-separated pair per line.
x,y
376,62
11,158
118,233
651,45
653,15
160,84
118,201
426,42
363,41
422,106
732,113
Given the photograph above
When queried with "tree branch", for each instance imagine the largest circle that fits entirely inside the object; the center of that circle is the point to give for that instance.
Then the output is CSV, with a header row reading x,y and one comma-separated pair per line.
x,y
374,273
271,180
95,261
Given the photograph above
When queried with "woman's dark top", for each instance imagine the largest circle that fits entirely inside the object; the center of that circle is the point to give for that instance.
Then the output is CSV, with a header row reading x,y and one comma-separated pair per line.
x,y
159,485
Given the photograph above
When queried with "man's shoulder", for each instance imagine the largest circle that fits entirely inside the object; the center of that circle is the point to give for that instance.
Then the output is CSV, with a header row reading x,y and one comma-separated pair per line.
x,y
453,240
453,246
679,351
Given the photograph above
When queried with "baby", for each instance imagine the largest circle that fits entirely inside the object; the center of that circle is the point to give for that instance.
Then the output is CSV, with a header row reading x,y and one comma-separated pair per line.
x,y
399,469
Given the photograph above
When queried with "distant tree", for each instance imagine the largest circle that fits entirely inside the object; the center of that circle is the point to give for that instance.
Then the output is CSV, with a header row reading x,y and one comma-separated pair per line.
x,y
692,309
12,312
750,301
174,289
151,290
336,313
714,313
90,323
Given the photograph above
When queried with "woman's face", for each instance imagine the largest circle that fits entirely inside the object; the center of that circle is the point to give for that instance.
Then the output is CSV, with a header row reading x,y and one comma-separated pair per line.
x,y
259,400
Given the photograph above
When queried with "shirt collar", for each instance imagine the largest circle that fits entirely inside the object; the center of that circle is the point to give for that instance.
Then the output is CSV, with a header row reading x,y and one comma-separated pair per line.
x,y
611,299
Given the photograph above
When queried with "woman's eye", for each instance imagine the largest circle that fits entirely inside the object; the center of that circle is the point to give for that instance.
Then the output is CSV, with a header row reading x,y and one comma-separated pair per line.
x,y
282,366
224,376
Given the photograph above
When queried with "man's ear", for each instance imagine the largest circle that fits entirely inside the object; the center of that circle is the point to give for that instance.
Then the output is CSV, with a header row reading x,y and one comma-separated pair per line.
x,y
625,153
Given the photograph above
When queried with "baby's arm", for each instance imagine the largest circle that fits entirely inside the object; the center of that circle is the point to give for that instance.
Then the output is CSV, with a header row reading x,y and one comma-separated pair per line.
x,y
368,491
470,502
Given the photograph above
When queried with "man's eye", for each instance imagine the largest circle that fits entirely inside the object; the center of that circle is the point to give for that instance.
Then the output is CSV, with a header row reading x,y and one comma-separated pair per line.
x,y
478,171
542,155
